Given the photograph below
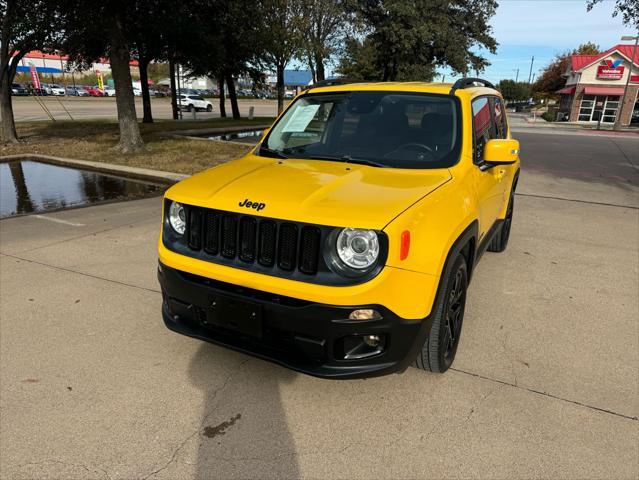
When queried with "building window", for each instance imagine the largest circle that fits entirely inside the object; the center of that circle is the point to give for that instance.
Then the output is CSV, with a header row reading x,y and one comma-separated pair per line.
x,y
595,106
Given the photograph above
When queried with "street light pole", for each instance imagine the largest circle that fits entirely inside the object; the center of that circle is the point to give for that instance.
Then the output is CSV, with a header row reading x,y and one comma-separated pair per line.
x,y
625,90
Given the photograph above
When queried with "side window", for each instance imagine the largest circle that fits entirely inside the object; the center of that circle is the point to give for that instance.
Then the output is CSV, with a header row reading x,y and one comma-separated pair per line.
x,y
481,126
500,128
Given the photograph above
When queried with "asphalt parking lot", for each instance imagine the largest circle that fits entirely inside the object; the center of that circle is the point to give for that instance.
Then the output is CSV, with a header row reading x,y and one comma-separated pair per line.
x,y
545,383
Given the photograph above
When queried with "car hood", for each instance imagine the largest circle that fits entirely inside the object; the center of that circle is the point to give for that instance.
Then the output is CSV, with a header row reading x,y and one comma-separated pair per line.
x,y
313,191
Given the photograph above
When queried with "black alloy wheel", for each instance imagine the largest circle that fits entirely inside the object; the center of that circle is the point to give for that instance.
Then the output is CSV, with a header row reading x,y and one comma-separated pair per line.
x,y
439,349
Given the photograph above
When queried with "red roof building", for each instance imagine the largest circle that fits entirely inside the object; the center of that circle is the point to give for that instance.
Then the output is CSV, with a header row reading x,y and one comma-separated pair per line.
x,y
595,86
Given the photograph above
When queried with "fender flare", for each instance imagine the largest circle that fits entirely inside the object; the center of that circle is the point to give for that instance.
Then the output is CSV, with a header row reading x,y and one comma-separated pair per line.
x,y
467,237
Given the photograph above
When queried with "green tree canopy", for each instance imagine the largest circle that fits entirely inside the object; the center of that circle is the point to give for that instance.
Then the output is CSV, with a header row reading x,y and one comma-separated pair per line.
x,y
515,91
408,39
629,10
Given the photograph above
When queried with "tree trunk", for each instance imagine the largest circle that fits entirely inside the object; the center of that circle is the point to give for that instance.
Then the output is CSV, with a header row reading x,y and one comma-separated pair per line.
x,y
320,73
144,86
311,66
8,65
174,107
130,138
220,86
280,88
233,96
7,124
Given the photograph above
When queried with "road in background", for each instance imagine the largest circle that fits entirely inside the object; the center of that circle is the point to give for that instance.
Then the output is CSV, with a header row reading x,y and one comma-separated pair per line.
x,y
82,108
544,385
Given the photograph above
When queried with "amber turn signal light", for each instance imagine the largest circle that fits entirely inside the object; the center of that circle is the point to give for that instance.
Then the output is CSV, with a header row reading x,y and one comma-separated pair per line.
x,y
404,245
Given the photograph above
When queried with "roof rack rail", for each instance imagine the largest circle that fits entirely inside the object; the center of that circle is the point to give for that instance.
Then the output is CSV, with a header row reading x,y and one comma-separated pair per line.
x,y
334,81
469,82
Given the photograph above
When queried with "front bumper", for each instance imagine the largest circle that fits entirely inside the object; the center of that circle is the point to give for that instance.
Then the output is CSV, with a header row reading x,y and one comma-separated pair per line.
x,y
304,336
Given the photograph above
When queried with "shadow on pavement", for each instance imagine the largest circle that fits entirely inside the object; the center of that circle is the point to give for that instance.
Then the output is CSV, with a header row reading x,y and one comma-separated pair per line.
x,y
244,432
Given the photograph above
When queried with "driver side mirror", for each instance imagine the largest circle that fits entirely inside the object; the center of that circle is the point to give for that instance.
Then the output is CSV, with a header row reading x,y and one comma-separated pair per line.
x,y
264,133
500,152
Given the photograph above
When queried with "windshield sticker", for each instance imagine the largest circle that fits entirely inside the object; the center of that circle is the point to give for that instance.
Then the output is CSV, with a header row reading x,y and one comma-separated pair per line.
x,y
301,117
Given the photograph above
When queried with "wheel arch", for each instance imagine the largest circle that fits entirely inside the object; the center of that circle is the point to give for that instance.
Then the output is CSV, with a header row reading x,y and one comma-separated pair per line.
x,y
466,244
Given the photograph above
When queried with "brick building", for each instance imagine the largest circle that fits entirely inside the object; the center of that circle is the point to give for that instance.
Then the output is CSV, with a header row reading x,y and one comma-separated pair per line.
x,y
595,87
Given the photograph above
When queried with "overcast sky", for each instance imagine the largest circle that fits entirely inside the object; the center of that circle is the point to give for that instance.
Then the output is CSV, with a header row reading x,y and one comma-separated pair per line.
x,y
542,28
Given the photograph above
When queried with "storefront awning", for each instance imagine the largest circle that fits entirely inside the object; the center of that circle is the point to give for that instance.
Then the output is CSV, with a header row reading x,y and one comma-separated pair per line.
x,y
604,91
567,91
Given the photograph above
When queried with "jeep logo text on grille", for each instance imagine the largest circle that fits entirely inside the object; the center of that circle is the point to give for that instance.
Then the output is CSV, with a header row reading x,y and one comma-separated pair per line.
x,y
254,205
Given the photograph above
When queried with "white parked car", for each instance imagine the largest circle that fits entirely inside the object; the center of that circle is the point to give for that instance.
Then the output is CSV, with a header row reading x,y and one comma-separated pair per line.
x,y
194,102
137,92
55,89
109,92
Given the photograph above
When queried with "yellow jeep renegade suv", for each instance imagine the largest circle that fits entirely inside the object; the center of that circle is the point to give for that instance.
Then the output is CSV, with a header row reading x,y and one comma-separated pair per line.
x,y
343,244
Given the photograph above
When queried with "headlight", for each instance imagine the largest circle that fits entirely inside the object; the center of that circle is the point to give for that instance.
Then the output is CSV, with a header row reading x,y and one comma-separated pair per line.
x,y
357,248
177,217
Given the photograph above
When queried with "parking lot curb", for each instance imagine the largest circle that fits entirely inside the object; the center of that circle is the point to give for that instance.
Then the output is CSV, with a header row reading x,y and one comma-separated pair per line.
x,y
133,173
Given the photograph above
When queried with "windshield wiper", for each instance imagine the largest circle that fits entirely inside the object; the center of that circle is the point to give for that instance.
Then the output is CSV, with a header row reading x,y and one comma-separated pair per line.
x,y
348,159
269,152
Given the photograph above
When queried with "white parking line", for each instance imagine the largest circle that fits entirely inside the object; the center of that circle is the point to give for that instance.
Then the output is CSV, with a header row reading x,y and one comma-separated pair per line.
x,y
57,220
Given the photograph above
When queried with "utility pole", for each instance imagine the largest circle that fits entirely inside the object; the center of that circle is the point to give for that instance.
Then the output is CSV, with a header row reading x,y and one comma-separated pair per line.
x,y
532,60
625,90
517,74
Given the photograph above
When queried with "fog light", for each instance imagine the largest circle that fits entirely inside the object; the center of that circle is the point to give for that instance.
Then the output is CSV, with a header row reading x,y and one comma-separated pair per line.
x,y
372,340
365,314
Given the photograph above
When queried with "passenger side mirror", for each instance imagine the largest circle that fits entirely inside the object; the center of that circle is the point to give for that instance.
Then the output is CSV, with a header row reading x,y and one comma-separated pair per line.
x,y
500,152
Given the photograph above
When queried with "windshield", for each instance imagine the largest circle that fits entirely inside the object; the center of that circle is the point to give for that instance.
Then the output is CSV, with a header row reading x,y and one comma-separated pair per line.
x,y
385,129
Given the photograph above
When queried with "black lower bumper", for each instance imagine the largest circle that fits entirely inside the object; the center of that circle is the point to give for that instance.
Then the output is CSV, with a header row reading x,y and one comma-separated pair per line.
x,y
308,337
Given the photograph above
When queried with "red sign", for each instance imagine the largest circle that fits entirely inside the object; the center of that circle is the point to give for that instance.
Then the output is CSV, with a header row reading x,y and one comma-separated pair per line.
x,y
35,80
610,70
634,78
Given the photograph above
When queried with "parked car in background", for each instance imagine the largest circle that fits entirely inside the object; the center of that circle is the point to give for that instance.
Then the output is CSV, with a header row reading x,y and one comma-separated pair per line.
x,y
77,92
94,91
18,90
55,89
137,92
194,102
109,91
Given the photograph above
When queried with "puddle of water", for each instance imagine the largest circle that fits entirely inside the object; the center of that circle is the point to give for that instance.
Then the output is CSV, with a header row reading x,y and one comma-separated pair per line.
x,y
251,136
31,187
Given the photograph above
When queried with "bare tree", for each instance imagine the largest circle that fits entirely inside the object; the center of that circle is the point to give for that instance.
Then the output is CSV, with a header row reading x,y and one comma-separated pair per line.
x,y
283,37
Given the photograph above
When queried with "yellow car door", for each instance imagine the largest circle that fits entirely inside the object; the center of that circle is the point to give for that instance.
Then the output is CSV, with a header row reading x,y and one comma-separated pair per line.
x,y
489,181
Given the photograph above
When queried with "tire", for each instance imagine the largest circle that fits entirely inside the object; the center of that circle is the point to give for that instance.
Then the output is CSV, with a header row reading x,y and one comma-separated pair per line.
x,y
209,108
439,349
500,240
190,108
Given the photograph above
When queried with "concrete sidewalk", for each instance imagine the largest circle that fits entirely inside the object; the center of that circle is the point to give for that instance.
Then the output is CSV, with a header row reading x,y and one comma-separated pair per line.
x,y
545,383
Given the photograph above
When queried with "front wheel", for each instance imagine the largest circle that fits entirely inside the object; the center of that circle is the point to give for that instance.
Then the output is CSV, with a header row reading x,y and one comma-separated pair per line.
x,y
190,108
209,108
439,349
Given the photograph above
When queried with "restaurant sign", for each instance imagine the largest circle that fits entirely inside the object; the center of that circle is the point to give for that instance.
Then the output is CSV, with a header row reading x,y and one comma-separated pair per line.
x,y
610,70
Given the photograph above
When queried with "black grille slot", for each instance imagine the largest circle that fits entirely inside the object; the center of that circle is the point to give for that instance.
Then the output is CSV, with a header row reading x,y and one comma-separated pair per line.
x,y
287,251
279,247
267,239
248,229
212,233
229,236
195,228
309,250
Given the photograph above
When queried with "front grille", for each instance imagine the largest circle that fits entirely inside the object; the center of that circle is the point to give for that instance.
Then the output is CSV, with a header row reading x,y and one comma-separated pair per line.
x,y
225,236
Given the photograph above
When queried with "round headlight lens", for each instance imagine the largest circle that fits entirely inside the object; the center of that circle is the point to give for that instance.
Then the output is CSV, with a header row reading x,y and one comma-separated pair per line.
x,y
177,217
358,248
